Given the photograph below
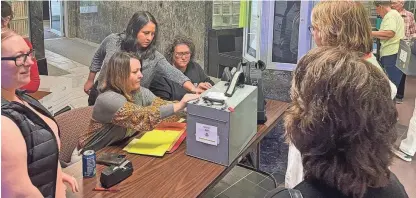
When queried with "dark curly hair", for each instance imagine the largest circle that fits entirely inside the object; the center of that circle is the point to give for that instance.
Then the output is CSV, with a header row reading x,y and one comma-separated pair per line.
x,y
170,50
129,42
342,120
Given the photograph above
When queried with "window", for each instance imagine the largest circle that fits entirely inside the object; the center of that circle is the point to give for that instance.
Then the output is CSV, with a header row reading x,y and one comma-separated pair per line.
x,y
225,14
253,24
286,31
277,32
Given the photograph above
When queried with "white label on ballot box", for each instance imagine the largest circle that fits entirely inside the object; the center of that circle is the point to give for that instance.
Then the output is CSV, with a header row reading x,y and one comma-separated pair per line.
x,y
403,55
207,134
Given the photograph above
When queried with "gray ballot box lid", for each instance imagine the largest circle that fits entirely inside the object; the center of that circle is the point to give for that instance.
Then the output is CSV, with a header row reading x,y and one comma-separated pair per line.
x,y
406,57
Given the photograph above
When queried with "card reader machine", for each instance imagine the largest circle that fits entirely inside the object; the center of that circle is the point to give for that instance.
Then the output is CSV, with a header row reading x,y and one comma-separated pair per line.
x,y
252,74
222,122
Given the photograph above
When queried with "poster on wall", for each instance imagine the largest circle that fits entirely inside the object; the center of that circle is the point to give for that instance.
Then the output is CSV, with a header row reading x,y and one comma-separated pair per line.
x,y
88,7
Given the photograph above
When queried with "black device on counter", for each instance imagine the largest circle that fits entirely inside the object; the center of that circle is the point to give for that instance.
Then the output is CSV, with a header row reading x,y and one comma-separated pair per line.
x,y
109,159
113,175
252,74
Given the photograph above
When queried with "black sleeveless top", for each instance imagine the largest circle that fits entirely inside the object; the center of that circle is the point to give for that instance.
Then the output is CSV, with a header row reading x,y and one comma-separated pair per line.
x,y
41,142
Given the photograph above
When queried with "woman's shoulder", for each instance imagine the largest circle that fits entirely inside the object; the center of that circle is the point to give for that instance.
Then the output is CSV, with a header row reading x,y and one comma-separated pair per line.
x,y
110,99
113,39
158,55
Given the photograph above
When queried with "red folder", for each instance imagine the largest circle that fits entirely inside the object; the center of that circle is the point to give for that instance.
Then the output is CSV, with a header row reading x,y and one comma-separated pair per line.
x,y
174,126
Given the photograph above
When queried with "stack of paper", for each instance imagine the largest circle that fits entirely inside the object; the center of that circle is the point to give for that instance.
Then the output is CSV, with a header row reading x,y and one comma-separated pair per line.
x,y
165,138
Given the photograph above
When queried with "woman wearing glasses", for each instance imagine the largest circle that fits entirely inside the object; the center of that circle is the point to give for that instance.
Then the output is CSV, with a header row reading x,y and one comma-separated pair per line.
x,y
30,141
334,23
6,17
181,54
139,38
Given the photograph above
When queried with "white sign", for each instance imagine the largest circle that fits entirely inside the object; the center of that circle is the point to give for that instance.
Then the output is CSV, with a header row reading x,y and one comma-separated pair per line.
x,y
403,55
88,9
207,134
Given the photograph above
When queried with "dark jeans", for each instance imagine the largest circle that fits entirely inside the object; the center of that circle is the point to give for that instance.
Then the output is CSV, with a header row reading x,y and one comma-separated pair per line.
x,y
93,94
394,73
400,89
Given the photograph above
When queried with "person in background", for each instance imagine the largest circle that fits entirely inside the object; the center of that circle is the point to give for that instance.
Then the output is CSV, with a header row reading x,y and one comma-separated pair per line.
x,y
124,107
343,128
181,54
407,148
410,32
390,33
334,24
139,38
6,17
30,142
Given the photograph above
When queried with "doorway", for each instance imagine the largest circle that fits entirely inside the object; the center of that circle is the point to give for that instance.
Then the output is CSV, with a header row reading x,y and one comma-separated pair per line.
x,y
53,19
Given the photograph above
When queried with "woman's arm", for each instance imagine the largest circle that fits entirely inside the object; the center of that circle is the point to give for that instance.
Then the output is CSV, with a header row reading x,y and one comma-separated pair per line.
x,y
161,87
138,118
204,77
383,34
15,181
97,63
173,74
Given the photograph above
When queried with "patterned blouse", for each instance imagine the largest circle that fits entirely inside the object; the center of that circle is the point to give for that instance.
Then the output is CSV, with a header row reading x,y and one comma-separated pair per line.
x,y
115,119
409,22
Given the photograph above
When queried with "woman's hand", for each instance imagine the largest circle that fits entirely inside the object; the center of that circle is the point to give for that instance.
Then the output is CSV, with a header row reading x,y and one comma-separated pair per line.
x,y
182,104
71,181
204,85
87,86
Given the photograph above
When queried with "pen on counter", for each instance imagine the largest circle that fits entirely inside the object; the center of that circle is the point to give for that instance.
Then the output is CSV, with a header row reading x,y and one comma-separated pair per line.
x,y
106,189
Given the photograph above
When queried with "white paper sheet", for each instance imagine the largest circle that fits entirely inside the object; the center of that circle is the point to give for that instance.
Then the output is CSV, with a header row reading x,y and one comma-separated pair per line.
x,y
207,134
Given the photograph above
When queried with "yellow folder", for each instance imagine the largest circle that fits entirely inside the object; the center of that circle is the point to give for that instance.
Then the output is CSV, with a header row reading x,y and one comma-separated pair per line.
x,y
154,143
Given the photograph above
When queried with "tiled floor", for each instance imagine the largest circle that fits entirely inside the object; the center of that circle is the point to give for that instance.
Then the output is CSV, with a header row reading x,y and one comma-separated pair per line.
x,y
242,182
75,71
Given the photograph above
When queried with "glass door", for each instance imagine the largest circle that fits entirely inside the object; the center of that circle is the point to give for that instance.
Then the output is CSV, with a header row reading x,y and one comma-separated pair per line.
x,y
56,17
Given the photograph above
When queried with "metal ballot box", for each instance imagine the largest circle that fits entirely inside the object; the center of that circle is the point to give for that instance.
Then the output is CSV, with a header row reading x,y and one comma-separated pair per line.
x,y
406,58
219,127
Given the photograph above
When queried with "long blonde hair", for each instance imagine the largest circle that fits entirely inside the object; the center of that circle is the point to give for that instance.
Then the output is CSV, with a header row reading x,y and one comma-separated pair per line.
x,y
117,75
343,23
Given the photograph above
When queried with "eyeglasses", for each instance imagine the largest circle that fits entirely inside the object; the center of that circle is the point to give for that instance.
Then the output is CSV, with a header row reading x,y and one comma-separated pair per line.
x,y
21,59
182,54
310,28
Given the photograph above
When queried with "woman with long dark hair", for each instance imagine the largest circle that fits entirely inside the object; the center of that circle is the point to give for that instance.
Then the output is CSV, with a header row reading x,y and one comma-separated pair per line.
x,y
139,38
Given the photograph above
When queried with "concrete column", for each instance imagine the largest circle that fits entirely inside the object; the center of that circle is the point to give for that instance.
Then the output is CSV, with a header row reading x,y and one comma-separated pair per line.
x,y
36,34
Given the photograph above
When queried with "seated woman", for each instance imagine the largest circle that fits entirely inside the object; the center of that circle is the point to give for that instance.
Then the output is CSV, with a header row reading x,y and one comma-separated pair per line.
x,y
30,142
124,108
342,120
140,38
181,54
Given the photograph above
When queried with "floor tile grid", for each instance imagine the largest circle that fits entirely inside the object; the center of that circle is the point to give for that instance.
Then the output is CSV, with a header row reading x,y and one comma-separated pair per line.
x,y
258,183
232,184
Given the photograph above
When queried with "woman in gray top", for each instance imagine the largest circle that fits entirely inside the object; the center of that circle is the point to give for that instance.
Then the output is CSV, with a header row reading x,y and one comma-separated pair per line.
x,y
139,38
124,107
